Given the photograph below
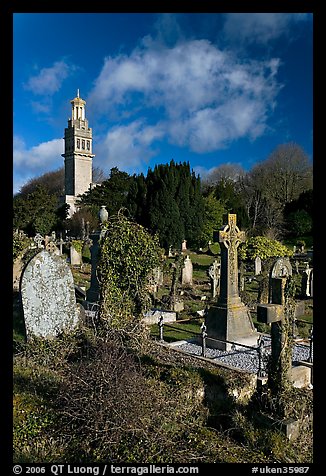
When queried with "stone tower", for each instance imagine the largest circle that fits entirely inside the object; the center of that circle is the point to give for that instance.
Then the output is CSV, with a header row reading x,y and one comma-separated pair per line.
x,y
77,154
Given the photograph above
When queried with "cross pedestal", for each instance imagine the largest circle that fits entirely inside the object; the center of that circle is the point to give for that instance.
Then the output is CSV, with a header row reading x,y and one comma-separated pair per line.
x,y
229,319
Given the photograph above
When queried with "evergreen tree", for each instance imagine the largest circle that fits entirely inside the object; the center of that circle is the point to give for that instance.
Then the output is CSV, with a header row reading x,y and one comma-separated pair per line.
x,y
112,193
36,213
175,204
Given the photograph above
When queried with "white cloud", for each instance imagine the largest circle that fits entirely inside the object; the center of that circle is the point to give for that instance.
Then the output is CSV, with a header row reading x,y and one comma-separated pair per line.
x,y
128,146
49,80
197,96
39,159
259,27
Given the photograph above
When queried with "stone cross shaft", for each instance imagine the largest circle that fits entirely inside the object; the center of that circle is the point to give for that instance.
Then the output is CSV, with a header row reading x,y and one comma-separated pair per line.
x,y
230,238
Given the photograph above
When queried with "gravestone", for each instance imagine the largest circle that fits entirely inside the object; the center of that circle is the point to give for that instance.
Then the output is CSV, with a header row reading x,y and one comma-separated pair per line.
x,y
155,279
229,319
312,283
184,245
296,263
153,316
257,265
52,248
60,243
75,257
214,273
17,271
48,296
281,348
281,268
280,271
306,281
38,239
175,301
93,293
187,270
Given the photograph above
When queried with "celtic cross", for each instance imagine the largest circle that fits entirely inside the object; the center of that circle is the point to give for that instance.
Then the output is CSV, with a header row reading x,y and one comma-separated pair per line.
x,y
230,237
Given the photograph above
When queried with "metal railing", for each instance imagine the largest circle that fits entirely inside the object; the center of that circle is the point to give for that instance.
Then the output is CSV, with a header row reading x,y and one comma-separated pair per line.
x,y
260,348
203,339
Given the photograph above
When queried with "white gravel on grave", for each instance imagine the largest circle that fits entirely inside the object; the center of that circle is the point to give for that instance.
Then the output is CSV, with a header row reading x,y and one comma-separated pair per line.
x,y
243,359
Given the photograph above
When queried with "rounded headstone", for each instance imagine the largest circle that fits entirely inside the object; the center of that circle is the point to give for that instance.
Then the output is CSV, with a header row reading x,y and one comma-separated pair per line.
x,y
48,296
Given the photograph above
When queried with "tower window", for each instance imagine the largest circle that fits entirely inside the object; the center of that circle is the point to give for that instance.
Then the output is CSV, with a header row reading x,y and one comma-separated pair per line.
x,y
78,143
88,145
83,144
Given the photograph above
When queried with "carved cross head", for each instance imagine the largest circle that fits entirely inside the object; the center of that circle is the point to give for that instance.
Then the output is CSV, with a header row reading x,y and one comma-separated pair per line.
x,y
231,236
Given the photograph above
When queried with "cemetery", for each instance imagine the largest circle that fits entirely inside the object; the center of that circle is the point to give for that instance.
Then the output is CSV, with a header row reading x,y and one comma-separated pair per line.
x,y
163,319
201,326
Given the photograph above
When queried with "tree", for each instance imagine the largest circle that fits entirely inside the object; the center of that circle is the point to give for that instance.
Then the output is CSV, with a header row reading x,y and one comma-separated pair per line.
x,y
175,204
214,212
228,172
52,182
267,249
229,193
37,213
86,216
112,192
298,214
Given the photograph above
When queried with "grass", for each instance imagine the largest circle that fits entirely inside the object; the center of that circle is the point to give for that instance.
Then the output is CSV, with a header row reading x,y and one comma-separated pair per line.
x,y
175,331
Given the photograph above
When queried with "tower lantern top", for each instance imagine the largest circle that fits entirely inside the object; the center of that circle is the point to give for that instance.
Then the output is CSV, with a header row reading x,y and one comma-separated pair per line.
x,y
78,107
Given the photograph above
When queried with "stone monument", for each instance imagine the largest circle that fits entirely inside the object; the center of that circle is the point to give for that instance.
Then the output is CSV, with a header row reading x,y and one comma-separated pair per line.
x,y
214,273
306,280
280,271
257,265
229,319
48,296
186,273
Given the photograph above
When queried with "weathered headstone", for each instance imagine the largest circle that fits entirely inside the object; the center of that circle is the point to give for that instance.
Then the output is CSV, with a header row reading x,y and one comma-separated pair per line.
x,y
280,271
306,280
75,257
38,239
153,316
48,296
296,264
184,245
257,265
60,243
281,368
175,302
52,248
155,279
214,273
281,268
17,271
93,293
229,319
187,270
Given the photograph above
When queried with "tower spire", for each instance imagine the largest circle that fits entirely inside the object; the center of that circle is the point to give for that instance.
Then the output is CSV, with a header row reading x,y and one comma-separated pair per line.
x,y
78,93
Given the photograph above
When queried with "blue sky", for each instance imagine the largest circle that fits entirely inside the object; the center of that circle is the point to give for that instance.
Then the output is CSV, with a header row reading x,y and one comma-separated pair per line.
x,y
208,88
